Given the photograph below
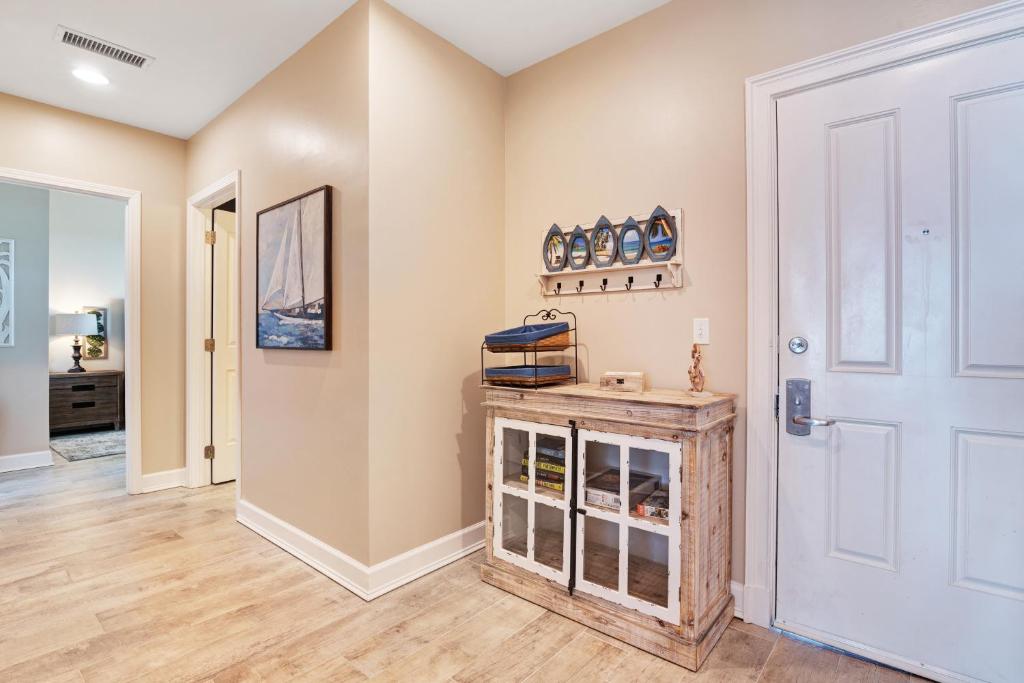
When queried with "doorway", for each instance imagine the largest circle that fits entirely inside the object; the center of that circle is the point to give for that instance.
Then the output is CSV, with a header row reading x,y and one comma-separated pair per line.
x,y
213,334
889,182
120,386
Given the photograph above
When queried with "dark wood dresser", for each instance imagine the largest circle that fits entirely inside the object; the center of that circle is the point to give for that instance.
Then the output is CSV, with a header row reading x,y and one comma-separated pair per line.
x,y
86,399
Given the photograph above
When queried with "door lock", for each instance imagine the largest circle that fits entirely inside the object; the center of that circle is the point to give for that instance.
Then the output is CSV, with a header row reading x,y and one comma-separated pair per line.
x,y
798,409
797,345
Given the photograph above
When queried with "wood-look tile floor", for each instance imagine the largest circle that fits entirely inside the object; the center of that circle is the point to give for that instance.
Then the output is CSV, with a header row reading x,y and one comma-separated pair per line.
x,y
96,585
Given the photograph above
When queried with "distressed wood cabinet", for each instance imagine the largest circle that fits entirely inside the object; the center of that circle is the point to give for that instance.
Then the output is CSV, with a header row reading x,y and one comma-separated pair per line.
x,y
572,524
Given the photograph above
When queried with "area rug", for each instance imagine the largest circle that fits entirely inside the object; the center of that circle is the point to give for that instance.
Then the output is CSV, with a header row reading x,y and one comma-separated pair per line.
x,y
92,445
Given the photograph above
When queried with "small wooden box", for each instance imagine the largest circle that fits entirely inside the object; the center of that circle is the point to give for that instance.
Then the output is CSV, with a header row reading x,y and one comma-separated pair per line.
x,y
622,381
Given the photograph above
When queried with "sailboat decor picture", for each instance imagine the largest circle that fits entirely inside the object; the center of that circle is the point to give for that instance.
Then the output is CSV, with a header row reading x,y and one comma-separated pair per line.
x,y
293,273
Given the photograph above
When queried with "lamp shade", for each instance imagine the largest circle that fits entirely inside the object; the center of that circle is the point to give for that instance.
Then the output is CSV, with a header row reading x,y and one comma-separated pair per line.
x,y
74,323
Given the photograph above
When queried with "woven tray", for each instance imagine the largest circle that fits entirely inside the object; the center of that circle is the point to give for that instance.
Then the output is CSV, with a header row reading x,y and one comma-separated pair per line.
x,y
528,381
558,342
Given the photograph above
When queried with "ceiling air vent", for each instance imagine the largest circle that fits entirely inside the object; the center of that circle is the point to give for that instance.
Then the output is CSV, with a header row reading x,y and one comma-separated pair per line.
x,y
102,47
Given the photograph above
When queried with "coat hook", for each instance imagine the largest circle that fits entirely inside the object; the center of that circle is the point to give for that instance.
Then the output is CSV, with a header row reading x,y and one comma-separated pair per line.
x,y
579,287
657,281
604,283
629,283
558,288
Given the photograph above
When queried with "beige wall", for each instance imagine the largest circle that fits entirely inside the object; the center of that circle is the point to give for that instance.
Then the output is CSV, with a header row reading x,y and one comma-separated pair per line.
x,y
305,413
24,392
436,278
41,138
653,113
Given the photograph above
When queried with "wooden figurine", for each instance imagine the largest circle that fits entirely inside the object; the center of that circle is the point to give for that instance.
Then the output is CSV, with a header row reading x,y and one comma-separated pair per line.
x,y
697,373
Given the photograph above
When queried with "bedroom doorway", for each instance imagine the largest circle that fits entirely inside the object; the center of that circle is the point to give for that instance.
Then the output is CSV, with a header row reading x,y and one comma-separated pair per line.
x,y
51,330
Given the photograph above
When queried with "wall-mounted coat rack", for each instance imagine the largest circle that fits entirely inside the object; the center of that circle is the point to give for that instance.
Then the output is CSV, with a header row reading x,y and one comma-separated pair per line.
x,y
645,275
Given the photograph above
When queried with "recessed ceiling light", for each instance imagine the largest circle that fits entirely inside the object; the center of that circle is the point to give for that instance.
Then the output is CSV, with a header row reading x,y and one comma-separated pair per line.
x,y
90,76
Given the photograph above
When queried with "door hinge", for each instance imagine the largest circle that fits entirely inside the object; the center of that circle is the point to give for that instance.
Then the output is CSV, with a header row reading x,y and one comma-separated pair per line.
x,y
209,452
211,237
210,345
776,406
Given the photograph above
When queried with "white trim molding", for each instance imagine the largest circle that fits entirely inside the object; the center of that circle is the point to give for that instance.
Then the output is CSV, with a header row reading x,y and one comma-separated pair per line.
x,y
368,582
24,461
168,479
132,303
197,369
993,23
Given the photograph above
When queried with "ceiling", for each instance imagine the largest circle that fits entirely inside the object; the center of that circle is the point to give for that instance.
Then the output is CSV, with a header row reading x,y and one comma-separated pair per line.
x,y
206,53
509,35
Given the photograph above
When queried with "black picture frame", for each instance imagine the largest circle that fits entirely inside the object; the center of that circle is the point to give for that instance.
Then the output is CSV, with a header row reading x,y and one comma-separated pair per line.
x,y
308,325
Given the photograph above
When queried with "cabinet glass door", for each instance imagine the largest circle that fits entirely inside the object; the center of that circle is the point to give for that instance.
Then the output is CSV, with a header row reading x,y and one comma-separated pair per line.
x,y
532,472
627,545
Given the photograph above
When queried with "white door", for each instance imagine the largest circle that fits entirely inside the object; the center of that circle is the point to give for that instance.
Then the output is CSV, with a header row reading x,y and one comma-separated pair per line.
x,y
226,423
901,260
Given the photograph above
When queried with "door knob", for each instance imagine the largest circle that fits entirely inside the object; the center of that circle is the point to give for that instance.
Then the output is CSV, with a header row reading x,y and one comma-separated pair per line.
x,y
798,409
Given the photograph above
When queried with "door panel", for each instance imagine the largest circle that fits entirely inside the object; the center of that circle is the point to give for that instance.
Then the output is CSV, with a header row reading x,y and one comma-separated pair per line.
x,y
226,422
863,244
900,249
990,281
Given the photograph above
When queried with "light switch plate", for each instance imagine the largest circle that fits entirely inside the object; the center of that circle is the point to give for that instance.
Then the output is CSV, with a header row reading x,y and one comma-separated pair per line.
x,y
701,331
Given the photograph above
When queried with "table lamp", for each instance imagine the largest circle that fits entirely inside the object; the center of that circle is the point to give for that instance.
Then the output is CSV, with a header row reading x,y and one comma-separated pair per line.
x,y
76,324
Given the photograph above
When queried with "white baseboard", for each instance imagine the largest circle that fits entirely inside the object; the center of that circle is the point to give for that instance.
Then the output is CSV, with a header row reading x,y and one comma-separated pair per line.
x,y
24,461
737,592
399,570
368,582
168,479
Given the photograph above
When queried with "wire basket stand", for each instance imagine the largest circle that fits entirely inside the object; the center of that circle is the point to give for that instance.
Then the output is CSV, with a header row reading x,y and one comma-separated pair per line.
x,y
536,380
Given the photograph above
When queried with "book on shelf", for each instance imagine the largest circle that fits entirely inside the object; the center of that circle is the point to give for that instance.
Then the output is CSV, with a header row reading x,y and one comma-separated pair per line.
x,y
546,465
546,476
603,488
655,505
553,485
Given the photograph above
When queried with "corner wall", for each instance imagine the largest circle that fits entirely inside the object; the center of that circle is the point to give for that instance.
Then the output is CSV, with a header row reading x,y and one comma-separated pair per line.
x,y
304,413
436,279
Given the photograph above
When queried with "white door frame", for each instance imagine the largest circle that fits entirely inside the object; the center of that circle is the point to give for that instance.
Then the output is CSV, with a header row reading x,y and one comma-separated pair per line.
x,y
989,24
197,399
132,303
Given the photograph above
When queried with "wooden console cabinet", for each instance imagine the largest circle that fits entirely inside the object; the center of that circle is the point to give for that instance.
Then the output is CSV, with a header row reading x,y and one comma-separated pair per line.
x,y
655,577
86,399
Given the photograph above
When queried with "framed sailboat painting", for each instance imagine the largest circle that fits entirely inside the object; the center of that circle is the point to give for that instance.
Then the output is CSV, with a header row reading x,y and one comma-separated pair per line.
x,y
293,273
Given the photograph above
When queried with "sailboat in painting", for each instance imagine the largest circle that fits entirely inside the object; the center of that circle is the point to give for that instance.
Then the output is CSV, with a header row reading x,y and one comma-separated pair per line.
x,y
295,294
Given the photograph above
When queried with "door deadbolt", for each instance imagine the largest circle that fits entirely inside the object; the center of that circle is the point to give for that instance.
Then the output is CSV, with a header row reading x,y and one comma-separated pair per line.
x,y
797,345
